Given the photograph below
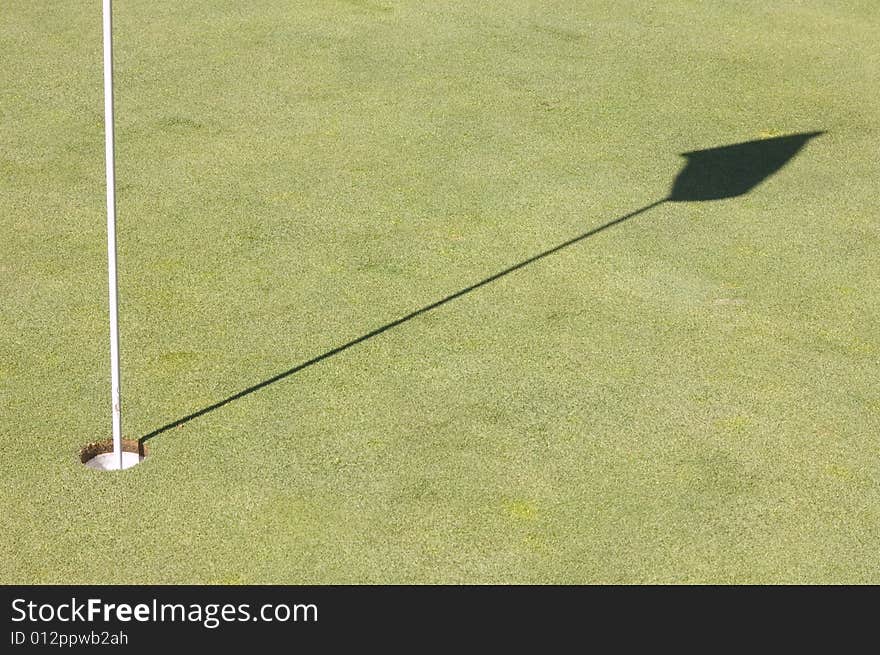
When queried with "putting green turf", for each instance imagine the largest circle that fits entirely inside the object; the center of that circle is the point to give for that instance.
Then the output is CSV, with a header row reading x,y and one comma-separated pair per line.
x,y
690,396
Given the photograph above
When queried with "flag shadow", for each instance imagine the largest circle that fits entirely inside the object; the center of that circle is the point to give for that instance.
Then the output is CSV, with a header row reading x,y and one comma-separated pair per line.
x,y
711,174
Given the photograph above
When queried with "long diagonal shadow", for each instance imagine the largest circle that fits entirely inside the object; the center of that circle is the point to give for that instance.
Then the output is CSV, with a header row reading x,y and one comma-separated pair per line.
x,y
711,174
397,322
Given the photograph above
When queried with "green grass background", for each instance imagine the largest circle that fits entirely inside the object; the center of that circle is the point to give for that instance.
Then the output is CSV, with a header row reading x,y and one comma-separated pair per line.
x,y
691,396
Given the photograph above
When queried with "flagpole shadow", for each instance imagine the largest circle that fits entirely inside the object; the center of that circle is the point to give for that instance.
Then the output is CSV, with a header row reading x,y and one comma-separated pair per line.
x,y
399,321
711,174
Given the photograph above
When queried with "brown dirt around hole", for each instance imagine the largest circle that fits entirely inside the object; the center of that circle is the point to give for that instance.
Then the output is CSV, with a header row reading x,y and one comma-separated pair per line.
x,y
90,450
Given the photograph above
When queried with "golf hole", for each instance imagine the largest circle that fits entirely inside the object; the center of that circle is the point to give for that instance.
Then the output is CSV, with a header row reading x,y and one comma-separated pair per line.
x,y
99,455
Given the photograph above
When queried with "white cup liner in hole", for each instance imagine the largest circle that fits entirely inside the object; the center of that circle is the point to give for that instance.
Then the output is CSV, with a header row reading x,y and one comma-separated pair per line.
x,y
99,455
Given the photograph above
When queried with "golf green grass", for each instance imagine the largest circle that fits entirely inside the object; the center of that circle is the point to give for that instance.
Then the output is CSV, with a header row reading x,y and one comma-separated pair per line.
x,y
692,395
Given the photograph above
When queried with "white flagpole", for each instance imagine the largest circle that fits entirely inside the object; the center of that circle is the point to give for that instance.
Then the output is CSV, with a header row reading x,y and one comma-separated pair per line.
x,y
111,234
